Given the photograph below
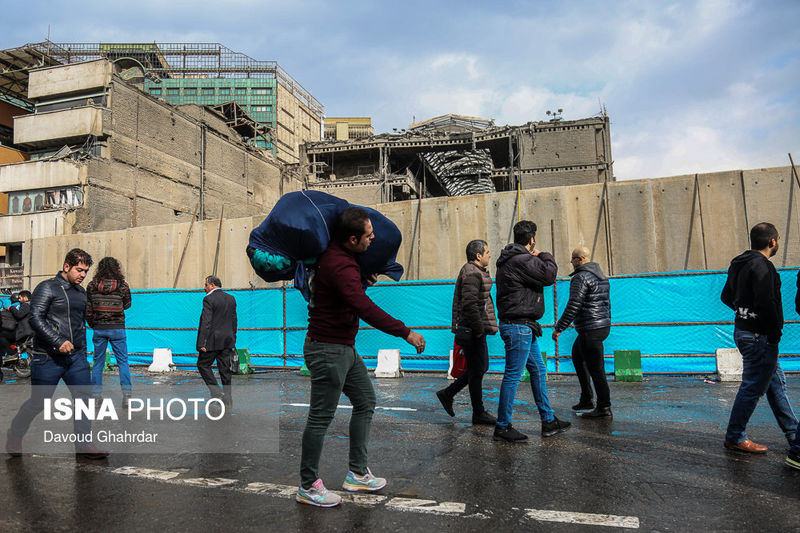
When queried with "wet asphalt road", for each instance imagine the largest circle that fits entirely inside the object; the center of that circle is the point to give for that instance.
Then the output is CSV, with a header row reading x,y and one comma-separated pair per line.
x,y
659,463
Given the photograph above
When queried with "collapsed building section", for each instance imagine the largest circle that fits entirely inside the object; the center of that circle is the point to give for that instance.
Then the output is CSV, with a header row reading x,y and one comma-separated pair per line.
x,y
456,155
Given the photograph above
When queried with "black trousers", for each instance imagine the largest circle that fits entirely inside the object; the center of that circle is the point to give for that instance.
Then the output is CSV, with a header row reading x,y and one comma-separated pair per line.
x,y
587,356
223,359
477,355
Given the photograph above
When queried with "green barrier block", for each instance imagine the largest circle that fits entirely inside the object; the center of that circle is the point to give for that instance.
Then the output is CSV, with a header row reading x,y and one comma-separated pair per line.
x,y
304,371
628,365
526,376
244,361
108,366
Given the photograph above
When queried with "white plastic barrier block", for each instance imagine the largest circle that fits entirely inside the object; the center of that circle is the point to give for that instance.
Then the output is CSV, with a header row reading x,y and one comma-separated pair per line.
x,y
729,364
162,360
388,364
450,370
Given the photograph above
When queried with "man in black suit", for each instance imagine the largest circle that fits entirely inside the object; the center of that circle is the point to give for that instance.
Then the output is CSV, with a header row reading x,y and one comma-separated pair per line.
x,y
216,338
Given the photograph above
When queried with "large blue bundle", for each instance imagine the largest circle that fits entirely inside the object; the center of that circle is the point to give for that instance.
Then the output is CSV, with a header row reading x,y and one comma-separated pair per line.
x,y
298,230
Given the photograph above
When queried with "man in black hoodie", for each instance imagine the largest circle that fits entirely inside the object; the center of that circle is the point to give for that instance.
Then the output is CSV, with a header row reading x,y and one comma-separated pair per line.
x,y
753,291
522,273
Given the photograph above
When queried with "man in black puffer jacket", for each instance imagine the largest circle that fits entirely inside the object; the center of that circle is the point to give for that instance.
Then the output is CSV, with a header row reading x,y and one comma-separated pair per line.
x,y
590,307
58,315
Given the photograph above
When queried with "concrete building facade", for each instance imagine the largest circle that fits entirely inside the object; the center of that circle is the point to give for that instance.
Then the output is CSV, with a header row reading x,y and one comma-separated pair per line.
x,y
106,156
347,128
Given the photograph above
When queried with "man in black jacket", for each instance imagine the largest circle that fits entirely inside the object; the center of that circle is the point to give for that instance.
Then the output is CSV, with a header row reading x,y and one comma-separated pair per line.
x,y
58,314
522,273
21,314
473,319
216,338
590,307
753,291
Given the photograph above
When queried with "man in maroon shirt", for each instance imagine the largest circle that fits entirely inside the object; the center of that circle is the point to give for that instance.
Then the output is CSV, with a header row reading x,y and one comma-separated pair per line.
x,y
337,302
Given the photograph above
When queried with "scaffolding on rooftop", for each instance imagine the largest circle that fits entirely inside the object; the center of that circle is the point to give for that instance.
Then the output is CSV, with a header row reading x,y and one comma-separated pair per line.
x,y
188,60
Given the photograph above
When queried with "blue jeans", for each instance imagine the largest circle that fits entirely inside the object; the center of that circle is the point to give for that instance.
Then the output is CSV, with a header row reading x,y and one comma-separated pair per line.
x,y
522,351
45,375
119,345
761,374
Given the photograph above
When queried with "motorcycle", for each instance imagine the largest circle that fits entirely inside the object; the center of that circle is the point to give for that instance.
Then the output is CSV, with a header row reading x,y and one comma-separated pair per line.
x,y
17,359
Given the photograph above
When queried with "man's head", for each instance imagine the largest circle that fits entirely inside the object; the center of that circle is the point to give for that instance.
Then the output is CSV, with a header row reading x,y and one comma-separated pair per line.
x,y
354,230
580,256
764,238
525,233
76,265
24,296
478,253
211,283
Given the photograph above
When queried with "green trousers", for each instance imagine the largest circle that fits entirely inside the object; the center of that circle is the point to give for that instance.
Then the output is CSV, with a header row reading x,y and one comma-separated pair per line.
x,y
335,368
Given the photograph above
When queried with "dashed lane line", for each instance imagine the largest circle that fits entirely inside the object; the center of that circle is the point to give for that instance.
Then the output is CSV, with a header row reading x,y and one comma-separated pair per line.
x,y
630,522
377,408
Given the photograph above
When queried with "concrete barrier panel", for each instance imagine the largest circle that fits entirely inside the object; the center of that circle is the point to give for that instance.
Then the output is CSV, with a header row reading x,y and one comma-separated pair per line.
x,y
388,364
729,364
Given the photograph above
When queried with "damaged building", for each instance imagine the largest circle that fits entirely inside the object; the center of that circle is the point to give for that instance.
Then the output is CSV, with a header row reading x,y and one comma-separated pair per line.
x,y
456,155
104,155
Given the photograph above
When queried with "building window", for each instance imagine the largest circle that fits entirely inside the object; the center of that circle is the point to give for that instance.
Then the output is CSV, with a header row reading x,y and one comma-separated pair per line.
x,y
208,91
155,92
225,91
241,90
173,91
262,90
260,108
190,91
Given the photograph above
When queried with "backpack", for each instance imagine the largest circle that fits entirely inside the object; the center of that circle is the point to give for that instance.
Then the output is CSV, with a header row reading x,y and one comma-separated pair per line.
x,y
9,323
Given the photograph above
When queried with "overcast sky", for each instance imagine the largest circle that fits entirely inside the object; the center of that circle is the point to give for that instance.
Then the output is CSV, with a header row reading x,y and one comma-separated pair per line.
x,y
689,86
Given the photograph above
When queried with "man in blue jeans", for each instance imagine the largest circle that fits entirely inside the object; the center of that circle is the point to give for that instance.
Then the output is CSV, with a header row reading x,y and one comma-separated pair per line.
x,y
522,273
793,458
753,291
58,314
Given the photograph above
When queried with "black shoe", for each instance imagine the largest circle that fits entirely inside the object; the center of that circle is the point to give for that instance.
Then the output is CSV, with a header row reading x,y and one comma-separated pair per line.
x,y
556,426
793,460
90,451
483,419
126,400
508,434
583,405
447,402
599,412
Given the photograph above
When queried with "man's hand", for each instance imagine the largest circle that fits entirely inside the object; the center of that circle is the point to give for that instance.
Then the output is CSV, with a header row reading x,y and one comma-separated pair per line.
x,y
203,349
417,341
535,252
556,334
67,347
372,280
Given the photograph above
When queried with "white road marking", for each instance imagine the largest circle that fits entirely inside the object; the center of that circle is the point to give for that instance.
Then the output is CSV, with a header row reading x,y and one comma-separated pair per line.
x,y
426,506
630,522
350,407
397,504
146,473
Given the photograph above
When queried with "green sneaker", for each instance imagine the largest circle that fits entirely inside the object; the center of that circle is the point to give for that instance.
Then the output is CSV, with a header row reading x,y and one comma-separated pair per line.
x,y
368,482
317,495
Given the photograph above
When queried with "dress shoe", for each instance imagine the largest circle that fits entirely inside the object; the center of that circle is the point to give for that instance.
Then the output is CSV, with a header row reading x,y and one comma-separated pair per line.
x,y
90,451
447,402
13,445
597,412
746,446
483,419
583,405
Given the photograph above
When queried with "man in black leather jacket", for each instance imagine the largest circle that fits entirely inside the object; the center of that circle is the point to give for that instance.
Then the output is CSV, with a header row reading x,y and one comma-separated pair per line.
x,y
58,315
589,306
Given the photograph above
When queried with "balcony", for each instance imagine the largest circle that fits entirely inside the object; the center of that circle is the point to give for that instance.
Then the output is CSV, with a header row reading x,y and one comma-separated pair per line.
x,y
32,175
67,126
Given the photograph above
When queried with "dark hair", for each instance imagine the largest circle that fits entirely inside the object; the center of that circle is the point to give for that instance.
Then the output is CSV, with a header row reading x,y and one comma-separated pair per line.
x,y
26,294
761,234
108,268
524,231
351,223
214,280
474,248
76,256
